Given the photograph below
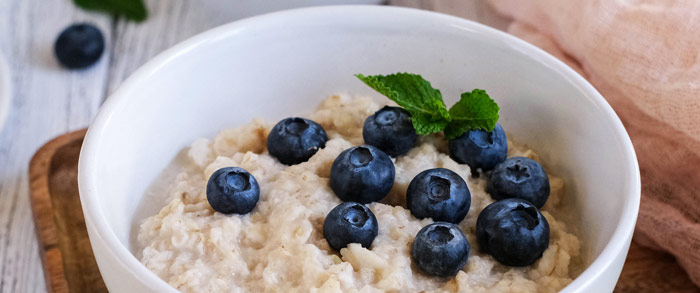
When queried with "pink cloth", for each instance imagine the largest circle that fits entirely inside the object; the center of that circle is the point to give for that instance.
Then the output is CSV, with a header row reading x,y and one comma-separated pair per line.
x,y
644,57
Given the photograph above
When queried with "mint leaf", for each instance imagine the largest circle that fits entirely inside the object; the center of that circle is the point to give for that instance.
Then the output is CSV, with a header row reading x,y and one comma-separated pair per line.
x,y
475,110
131,9
415,95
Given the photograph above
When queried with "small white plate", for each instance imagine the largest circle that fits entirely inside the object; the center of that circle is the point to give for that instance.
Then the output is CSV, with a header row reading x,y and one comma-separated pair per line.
x,y
5,91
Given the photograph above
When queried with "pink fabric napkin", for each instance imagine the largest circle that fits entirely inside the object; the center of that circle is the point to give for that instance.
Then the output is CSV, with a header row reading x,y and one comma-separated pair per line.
x,y
644,57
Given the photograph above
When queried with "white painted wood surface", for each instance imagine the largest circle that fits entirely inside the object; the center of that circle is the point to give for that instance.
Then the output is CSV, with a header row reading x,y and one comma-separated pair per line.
x,y
49,101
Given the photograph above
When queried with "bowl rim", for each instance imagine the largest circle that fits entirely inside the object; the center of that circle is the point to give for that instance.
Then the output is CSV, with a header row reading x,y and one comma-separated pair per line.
x,y
87,181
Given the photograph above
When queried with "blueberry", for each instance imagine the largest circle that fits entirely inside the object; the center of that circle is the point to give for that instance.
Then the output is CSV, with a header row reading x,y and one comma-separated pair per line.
x,y
480,149
295,140
79,46
513,231
363,174
232,190
440,249
350,222
519,177
390,129
439,194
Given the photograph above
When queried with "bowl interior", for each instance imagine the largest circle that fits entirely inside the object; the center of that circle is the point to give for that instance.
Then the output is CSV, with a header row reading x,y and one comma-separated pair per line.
x,y
284,64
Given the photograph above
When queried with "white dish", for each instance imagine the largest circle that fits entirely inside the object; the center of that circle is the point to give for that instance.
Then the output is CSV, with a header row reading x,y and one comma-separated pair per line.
x,y
5,91
279,64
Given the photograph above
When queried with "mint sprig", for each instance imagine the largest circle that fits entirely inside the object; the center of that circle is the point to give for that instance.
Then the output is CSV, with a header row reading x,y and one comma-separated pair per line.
x,y
475,110
131,9
415,95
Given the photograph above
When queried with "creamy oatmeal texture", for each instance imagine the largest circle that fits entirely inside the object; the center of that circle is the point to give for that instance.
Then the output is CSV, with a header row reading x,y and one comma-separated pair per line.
x,y
279,246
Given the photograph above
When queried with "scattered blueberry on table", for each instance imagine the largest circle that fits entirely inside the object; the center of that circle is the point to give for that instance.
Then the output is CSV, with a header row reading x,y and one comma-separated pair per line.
x,y
362,174
513,231
390,129
519,177
480,149
350,222
232,190
295,140
79,45
440,249
440,194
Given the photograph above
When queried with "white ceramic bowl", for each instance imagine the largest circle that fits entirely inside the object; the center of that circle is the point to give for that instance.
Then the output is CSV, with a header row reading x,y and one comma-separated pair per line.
x,y
284,63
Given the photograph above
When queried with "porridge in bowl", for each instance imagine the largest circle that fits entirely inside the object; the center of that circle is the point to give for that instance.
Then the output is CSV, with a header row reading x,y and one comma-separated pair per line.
x,y
280,245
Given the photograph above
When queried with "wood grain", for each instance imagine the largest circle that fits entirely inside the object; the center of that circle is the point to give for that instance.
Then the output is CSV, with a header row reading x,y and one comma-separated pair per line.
x,y
47,101
69,264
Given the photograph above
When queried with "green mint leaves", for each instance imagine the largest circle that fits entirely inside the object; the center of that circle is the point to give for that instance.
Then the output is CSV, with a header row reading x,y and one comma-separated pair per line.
x,y
131,9
475,110
415,95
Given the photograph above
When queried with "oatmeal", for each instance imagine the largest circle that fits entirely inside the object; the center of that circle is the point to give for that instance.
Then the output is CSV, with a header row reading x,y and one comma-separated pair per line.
x,y
279,246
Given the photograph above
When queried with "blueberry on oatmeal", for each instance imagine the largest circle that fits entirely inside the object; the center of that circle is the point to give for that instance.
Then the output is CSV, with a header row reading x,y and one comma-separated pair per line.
x,y
362,174
480,149
522,178
350,222
390,129
440,194
440,249
232,190
295,140
513,231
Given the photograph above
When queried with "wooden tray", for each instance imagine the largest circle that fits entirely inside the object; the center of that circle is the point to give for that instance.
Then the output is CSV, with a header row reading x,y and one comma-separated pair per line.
x,y
69,265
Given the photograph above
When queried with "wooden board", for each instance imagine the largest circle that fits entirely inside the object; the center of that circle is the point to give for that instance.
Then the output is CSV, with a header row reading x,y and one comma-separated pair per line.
x,y
69,265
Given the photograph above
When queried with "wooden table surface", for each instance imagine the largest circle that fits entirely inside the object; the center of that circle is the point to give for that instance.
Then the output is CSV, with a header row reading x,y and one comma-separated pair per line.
x,y
49,101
